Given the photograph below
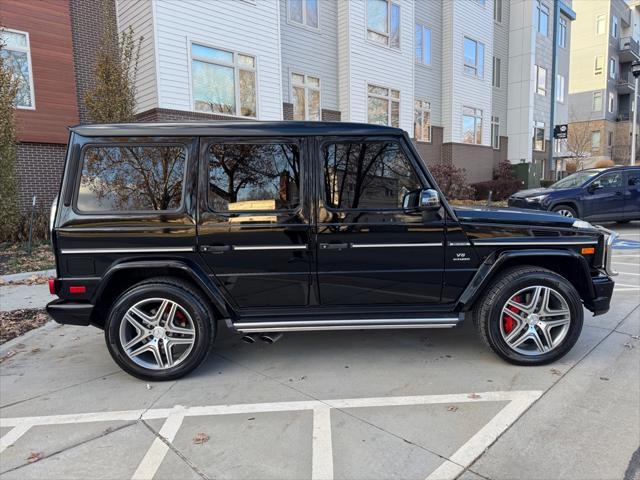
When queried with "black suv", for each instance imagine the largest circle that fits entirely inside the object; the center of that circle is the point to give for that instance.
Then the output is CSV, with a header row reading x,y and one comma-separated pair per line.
x,y
165,233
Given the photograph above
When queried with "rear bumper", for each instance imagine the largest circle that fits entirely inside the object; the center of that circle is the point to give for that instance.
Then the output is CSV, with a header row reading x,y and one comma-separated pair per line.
x,y
70,313
603,288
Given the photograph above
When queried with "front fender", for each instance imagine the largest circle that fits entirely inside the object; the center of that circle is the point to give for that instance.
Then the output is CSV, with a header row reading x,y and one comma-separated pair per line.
x,y
579,275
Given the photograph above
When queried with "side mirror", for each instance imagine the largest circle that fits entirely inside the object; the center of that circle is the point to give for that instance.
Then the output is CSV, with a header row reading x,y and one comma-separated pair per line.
x,y
426,200
594,186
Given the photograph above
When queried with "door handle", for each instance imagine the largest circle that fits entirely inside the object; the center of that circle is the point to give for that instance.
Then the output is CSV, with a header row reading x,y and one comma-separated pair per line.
x,y
216,248
334,246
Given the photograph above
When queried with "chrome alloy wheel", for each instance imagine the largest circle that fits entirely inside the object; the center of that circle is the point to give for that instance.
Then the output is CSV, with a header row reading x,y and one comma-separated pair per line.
x,y
535,320
157,333
564,212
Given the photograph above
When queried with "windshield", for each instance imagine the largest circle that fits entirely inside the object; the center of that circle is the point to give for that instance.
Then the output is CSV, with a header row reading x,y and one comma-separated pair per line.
x,y
575,180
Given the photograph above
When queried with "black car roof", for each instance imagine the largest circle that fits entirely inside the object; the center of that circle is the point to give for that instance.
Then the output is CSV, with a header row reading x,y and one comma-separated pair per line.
x,y
234,128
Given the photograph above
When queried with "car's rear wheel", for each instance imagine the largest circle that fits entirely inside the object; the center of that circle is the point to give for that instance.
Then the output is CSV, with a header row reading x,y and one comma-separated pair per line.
x,y
160,329
529,316
565,211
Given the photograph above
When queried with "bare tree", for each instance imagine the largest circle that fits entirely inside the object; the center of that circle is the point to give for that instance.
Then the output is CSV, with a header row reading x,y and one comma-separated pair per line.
x,y
579,136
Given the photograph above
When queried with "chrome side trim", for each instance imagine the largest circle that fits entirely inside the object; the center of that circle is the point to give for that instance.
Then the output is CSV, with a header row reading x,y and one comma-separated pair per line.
x,y
394,245
459,244
481,243
76,251
372,323
268,247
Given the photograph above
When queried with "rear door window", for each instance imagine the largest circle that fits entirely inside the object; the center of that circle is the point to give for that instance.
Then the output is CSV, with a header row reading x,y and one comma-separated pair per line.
x,y
132,178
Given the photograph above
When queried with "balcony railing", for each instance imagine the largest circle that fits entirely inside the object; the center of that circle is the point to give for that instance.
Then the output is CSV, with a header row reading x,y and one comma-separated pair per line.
x,y
629,46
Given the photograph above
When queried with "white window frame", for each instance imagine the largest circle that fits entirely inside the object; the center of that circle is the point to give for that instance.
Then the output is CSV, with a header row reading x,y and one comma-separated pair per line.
x,y
307,88
496,79
495,133
537,125
26,50
477,124
497,11
421,61
597,94
601,21
479,65
611,104
304,23
542,8
598,67
390,100
563,27
236,77
612,68
420,108
541,89
560,86
598,135
386,34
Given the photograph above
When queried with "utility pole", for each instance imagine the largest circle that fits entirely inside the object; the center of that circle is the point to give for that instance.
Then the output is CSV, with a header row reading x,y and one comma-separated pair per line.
x,y
635,69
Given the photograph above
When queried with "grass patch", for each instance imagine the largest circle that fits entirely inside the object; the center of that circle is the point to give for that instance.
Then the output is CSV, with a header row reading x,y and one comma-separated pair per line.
x,y
15,259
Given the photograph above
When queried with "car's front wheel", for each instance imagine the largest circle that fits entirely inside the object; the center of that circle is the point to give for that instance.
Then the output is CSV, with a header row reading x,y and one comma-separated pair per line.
x,y
530,316
160,329
565,211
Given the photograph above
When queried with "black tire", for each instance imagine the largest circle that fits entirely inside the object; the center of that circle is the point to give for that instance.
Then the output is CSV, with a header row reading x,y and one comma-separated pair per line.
x,y
487,313
189,299
565,208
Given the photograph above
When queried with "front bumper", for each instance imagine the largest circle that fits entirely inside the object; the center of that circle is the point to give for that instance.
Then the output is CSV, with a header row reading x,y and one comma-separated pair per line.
x,y
70,313
522,203
603,289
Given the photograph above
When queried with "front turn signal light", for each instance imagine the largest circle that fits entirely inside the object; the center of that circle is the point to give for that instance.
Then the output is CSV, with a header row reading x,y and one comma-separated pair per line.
x,y
588,250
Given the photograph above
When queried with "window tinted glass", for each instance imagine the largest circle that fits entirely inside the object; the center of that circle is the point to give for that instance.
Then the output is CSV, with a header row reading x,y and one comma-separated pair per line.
x,y
610,180
633,178
132,178
254,176
374,175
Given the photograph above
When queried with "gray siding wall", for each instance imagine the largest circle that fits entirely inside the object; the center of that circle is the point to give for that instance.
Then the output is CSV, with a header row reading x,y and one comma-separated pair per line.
x,y
501,51
562,66
543,55
312,51
428,78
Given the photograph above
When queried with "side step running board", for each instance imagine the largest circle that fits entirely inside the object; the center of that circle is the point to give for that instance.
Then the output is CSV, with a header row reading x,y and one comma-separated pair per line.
x,y
356,324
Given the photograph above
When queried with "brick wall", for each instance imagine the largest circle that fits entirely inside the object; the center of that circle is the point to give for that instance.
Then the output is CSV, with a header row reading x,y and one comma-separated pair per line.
x,y
331,115
39,172
431,152
168,115
287,111
87,22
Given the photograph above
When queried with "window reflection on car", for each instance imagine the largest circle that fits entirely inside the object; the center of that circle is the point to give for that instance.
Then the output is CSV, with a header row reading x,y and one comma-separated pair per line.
x,y
575,180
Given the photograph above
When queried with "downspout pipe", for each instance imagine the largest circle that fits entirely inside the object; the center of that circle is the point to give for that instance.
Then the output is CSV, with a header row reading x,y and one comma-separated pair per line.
x,y
554,56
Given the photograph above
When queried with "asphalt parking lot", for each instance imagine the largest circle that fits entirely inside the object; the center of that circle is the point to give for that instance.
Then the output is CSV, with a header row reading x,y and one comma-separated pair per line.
x,y
378,404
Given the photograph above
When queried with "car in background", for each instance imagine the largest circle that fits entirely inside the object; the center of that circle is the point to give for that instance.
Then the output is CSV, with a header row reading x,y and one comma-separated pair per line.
x,y
603,194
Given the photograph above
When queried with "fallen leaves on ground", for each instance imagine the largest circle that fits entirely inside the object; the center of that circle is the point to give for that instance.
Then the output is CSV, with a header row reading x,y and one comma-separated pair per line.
x,y
452,408
32,280
555,371
474,396
18,322
35,456
15,259
200,438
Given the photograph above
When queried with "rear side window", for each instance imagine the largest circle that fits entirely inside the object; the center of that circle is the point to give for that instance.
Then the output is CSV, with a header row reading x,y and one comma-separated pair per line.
x,y
634,178
368,175
131,178
253,177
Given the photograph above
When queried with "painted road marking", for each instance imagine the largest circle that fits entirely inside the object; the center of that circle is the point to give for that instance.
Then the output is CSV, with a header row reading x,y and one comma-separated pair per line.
x,y
322,451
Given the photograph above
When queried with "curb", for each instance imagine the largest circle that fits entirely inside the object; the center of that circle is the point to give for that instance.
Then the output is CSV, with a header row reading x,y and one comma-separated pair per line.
x,y
15,277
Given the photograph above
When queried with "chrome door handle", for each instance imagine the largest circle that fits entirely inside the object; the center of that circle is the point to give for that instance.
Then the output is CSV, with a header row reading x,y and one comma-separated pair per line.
x,y
216,248
333,246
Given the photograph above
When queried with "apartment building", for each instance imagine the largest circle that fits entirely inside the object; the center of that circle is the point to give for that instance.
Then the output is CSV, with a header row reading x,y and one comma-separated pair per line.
x,y
605,42
51,47
471,81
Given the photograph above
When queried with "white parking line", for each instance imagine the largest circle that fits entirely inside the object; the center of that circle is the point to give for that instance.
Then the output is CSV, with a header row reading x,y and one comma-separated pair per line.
x,y
322,451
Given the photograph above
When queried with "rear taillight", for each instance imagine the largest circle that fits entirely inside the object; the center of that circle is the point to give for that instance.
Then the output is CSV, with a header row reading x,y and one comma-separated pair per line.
x,y
52,286
76,289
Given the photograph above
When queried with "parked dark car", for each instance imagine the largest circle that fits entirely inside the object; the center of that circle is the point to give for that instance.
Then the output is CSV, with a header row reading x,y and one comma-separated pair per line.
x,y
166,233
599,194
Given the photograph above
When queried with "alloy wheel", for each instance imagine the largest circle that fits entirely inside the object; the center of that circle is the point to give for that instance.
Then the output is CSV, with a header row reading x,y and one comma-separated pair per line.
x,y
535,320
157,333
564,212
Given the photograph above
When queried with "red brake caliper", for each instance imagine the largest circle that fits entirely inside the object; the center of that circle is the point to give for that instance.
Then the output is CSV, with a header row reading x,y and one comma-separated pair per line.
x,y
508,322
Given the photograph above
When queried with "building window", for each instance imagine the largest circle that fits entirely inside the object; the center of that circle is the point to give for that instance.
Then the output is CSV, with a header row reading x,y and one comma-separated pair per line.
x,y
612,68
383,106
609,138
473,58
497,64
423,45
560,88
614,26
542,18
562,32
497,11
306,97
612,102
601,24
495,132
383,22
538,136
17,56
598,65
422,121
596,104
595,140
224,82
304,12
471,125
541,80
